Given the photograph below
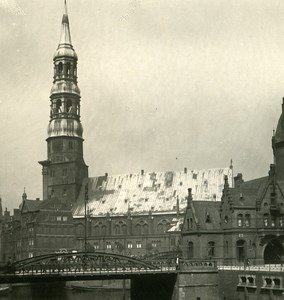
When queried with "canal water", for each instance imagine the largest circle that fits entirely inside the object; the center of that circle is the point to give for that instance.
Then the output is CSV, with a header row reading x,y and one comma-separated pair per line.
x,y
47,292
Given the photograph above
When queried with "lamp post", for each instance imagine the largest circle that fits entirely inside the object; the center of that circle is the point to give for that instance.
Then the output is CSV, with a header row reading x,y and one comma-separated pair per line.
x,y
86,199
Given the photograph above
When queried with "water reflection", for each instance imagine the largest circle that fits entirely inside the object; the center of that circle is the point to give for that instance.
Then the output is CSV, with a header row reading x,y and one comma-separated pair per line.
x,y
59,292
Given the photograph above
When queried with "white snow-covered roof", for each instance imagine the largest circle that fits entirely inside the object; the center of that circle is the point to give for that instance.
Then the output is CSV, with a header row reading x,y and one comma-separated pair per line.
x,y
158,192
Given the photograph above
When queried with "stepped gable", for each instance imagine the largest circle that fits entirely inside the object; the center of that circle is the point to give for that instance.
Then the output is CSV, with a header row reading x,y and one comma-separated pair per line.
x,y
156,191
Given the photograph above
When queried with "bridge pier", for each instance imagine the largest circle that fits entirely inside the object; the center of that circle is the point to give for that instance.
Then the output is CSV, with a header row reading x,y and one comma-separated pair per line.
x,y
153,287
196,285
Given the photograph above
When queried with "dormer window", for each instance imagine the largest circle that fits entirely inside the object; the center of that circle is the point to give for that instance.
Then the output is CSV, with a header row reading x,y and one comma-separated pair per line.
x,y
207,218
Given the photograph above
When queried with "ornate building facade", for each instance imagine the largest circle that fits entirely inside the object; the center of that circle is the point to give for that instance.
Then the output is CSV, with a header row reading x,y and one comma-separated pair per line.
x,y
248,224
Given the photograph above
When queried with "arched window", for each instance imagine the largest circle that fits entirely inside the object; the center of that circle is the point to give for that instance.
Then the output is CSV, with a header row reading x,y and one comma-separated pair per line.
x,y
160,228
117,229
190,250
164,225
138,229
97,230
69,108
145,229
247,220
58,105
60,68
124,229
80,230
226,248
68,68
211,249
240,220
103,230
265,220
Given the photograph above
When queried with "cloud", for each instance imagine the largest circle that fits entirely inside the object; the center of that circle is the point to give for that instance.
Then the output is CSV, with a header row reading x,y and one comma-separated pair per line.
x,y
11,6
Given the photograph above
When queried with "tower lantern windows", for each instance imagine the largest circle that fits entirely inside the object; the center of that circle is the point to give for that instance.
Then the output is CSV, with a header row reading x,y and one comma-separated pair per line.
x,y
58,106
60,68
68,68
69,107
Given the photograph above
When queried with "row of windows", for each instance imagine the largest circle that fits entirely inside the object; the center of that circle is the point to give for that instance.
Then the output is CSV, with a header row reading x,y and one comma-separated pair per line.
x,y
243,220
65,69
272,221
65,107
120,228
211,246
56,230
129,245
210,249
58,218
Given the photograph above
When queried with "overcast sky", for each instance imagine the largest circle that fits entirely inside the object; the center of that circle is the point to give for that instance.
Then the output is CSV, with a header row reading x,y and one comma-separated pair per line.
x,y
165,84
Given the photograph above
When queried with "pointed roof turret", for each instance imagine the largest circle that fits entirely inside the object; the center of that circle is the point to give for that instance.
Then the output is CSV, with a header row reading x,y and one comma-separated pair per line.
x,y
24,196
65,47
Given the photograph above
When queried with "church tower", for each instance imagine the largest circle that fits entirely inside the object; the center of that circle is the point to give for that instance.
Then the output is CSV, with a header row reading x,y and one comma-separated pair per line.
x,y
64,169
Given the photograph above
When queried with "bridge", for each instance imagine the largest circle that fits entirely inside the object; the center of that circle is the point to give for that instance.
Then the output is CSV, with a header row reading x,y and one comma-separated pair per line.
x,y
83,266
151,279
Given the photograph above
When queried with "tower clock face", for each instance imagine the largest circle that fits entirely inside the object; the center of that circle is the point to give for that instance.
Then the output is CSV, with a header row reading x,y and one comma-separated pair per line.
x,y
57,145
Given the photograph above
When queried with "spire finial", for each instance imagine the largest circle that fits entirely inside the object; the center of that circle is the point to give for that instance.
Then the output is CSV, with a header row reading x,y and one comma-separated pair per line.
x,y
24,196
65,8
65,37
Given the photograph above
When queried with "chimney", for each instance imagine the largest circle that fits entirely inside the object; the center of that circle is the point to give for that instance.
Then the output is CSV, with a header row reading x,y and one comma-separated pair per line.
x,y
142,172
185,170
106,175
189,197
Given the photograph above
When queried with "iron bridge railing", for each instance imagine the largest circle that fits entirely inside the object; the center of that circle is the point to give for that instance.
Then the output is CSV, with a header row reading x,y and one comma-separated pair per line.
x,y
87,263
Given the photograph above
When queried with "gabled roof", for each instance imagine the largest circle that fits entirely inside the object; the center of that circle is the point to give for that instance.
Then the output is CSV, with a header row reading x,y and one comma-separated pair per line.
x,y
207,209
249,192
29,206
157,192
53,204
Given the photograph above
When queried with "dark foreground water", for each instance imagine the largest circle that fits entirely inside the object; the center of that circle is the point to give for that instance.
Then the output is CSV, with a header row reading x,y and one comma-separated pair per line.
x,y
45,292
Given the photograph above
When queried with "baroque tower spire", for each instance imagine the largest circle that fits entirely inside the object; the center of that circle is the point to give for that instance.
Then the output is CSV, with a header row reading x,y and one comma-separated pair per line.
x,y
64,169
